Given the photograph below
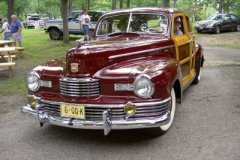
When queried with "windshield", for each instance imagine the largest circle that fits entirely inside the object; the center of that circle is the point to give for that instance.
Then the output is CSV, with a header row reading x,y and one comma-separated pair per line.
x,y
215,17
134,23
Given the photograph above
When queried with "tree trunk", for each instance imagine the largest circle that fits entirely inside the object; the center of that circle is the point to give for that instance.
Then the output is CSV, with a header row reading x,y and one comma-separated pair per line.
x,y
114,4
88,4
70,6
165,3
121,4
221,4
174,4
227,6
10,4
65,20
128,3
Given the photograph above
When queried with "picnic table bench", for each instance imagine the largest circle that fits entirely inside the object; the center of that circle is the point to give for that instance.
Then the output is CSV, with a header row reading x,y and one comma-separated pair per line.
x,y
6,58
4,43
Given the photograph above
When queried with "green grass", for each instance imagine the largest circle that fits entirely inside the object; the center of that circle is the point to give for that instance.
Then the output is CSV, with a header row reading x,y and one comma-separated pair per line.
x,y
38,49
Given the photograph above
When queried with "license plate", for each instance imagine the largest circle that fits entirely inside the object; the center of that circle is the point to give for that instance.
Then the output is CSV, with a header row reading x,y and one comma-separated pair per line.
x,y
200,27
72,110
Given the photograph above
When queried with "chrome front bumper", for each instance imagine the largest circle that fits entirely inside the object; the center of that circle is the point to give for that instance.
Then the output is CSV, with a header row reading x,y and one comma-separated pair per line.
x,y
106,124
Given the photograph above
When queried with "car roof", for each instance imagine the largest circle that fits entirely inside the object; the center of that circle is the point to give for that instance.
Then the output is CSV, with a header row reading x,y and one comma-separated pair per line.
x,y
79,11
145,9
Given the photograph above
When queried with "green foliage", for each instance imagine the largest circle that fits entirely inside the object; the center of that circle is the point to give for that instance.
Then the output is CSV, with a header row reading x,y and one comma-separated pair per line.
x,y
51,8
3,10
206,11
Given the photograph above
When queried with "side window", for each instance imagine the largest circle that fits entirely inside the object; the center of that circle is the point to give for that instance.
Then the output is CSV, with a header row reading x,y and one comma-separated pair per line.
x,y
189,25
178,25
226,18
233,17
94,15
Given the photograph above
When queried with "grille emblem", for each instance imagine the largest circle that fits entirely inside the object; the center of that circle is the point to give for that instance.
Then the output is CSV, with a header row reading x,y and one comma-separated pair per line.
x,y
74,67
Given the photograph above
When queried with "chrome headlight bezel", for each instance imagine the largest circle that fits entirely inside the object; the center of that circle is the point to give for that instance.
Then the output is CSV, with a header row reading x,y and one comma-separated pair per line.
x,y
138,84
33,81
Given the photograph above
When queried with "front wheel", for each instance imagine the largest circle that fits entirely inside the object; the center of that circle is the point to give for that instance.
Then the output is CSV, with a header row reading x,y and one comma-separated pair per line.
x,y
55,34
164,128
238,28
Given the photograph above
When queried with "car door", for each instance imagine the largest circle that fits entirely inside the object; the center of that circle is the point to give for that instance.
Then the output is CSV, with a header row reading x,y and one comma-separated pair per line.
x,y
234,21
185,48
226,24
74,25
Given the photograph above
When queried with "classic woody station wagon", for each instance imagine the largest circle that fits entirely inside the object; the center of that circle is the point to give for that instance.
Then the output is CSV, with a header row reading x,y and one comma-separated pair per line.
x,y
129,76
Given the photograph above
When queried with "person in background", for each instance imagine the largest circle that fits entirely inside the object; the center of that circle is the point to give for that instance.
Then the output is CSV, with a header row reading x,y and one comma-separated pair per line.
x,y
16,30
85,22
6,30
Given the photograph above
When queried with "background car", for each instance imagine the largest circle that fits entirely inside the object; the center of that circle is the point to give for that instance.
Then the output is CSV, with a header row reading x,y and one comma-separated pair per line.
x,y
30,20
218,23
55,27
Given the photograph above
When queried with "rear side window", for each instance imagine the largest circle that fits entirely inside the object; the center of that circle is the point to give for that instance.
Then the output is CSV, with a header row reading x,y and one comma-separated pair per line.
x,y
95,15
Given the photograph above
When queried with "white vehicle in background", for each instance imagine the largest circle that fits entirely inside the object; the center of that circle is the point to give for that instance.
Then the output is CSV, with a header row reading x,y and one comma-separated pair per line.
x,y
30,20
55,27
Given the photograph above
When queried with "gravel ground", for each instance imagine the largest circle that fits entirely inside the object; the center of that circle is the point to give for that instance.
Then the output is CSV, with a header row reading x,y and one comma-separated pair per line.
x,y
206,125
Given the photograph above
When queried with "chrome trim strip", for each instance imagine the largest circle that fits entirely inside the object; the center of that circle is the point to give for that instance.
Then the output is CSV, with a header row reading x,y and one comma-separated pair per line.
x,y
113,105
64,79
139,52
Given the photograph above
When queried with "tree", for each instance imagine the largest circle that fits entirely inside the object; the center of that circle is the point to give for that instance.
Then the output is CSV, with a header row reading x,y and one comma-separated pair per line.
x,y
128,3
10,4
165,3
121,4
114,4
64,10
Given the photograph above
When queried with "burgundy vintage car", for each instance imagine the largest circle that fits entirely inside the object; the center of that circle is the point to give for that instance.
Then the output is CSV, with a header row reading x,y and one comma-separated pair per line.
x,y
129,76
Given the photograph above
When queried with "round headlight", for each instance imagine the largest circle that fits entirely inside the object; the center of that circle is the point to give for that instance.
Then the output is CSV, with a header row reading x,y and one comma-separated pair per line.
x,y
143,86
33,81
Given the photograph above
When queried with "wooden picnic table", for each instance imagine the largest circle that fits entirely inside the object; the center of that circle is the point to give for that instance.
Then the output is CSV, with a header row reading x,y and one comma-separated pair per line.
x,y
6,43
6,59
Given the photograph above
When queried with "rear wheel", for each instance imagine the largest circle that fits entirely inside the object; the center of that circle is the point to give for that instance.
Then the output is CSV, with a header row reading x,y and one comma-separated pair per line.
x,y
238,28
55,34
164,128
217,29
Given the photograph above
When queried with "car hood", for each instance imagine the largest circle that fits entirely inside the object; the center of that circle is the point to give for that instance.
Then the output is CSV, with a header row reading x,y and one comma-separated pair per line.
x,y
206,22
85,60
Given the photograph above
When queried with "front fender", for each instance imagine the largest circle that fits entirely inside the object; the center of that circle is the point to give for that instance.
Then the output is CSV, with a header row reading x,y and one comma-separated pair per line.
x,y
162,71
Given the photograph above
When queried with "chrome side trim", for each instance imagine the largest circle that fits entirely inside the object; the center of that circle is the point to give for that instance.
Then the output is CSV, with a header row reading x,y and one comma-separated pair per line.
x,y
139,52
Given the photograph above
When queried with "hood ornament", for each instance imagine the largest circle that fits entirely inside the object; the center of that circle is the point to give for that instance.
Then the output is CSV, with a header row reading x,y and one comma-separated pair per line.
x,y
74,67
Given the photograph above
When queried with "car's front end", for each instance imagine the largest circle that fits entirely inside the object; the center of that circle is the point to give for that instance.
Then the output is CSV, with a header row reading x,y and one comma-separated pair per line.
x,y
206,26
120,81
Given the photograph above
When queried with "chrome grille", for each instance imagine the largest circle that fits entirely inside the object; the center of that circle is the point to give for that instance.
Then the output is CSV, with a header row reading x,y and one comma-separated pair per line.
x,y
94,112
79,86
